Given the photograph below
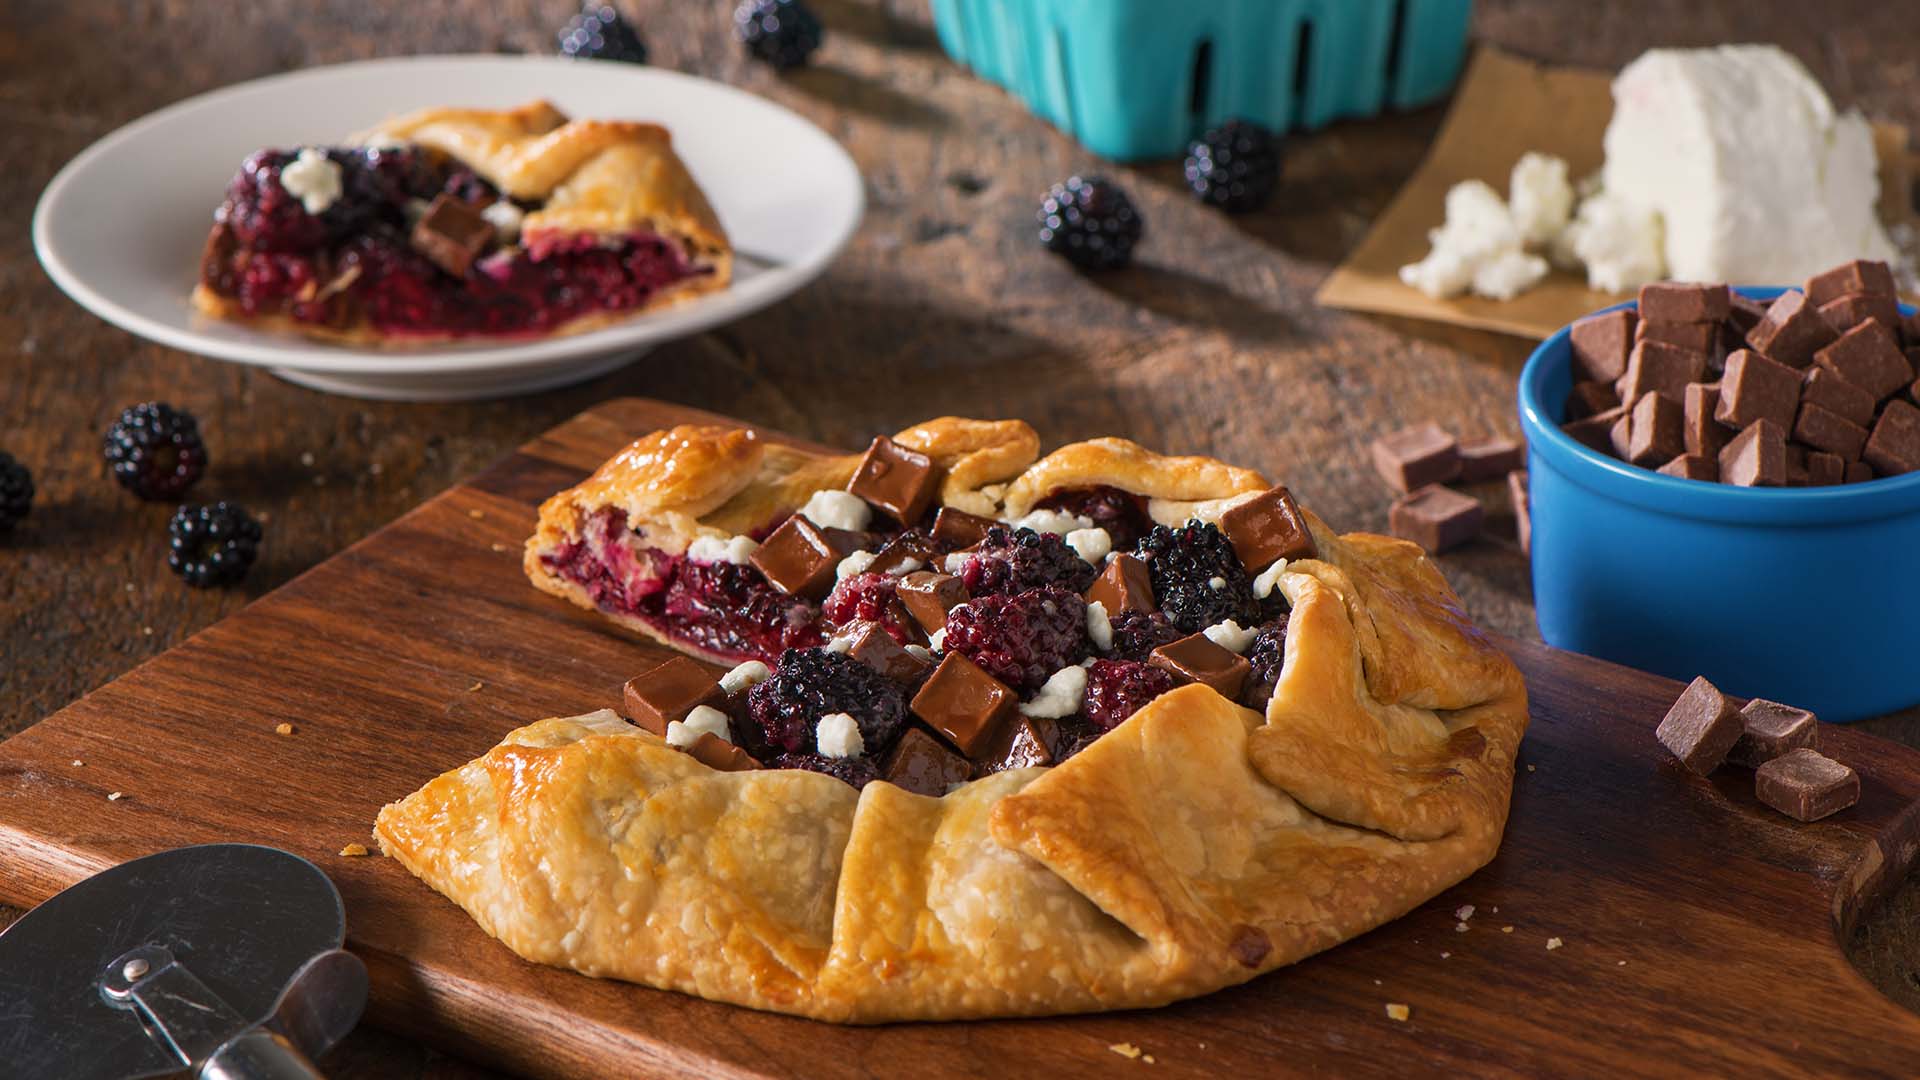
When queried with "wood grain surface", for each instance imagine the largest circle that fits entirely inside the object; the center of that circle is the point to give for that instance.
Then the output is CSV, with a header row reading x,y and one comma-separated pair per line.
x,y
1638,920
1211,343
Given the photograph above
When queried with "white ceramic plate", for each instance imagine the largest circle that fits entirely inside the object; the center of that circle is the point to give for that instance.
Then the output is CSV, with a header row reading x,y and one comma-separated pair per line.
x,y
121,227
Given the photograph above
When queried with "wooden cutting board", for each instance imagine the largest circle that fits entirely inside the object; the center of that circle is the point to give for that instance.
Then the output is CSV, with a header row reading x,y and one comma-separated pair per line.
x,y
1697,931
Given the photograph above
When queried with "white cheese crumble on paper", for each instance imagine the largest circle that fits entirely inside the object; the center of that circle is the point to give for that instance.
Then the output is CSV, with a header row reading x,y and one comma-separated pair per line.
x,y
1060,695
703,720
1093,545
722,549
1230,635
838,736
833,509
1099,625
313,178
1540,197
748,675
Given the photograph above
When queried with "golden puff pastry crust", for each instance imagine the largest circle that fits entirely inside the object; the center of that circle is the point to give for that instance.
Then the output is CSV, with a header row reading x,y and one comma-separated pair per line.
x,y
1195,846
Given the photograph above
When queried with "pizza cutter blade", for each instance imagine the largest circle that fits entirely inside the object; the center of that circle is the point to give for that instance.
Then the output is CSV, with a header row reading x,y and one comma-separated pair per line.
x,y
222,960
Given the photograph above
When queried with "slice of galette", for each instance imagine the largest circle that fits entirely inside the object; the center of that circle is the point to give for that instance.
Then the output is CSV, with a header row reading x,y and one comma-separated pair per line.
x,y
462,223
987,735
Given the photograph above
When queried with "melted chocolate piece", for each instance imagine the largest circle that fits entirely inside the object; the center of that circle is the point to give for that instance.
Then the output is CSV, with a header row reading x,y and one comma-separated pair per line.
x,y
1196,658
1416,456
800,557
965,704
924,765
717,753
1027,741
1270,526
928,596
669,692
914,545
956,529
899,481
1125,585
874,647
451,235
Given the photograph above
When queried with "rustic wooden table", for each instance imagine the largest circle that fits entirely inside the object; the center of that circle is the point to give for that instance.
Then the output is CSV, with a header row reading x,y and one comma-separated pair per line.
x,y
1211,343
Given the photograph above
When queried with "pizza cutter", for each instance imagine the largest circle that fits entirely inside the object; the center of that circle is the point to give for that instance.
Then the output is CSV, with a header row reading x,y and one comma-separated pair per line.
x,y
221,961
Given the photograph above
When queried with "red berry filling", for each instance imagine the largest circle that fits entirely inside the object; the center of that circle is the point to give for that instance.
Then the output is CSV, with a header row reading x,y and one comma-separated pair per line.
x,y
1023,638
868,598
1116,689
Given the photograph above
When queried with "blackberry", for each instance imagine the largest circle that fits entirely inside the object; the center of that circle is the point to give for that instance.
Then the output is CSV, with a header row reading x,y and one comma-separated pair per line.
x,y
1267,654
1122,513
16,492
869,598
1022,638
1116,689
1090,222
1186,563
1235,167
212,545
780,32
1074,734
1137,633
809,684
155,450
1015,560
857,771
599,33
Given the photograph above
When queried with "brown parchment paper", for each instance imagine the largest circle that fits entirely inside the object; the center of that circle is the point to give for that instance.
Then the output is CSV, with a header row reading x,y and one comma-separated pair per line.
x,y
1504,107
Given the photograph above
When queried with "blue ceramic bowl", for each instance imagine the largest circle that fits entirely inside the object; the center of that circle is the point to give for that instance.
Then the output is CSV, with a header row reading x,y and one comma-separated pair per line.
x,y
1809,596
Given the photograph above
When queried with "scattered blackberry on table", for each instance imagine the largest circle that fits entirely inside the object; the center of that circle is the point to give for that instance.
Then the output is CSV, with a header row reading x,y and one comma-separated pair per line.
x,y
1015,560
155,450
857,771
1090,222
780,32
1116,689
1021,638
16,492
1137,633
599,33
1197,579
1235,167
1267,654
212,545
809,684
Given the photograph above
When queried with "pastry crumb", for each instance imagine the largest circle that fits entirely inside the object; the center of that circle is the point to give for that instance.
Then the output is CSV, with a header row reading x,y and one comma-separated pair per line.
x,y
77,763
376,469
1444,955
354,850
147,630
1397,1011
115,796
476,514
283,729
306,458
1465,912
1553,943
129,586
476,686
1376,982
1506,929
1530,768
1126,1050
1460,928
502,548
1623,963
319,481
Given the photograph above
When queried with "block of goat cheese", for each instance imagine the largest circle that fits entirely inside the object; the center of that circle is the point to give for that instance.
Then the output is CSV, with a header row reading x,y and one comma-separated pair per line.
x,y
1757,178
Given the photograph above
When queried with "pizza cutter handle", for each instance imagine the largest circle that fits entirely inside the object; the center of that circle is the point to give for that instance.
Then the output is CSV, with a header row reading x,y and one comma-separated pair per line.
x,y
258,1054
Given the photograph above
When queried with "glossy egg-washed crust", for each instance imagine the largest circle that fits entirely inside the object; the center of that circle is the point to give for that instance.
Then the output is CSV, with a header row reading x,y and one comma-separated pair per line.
x,y
601,177
1195,846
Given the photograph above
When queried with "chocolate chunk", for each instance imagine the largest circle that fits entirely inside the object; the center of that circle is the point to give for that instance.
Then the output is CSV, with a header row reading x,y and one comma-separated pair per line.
x,y
1869,357
1757,457
1831,392
924,765
1699,336
1756,388
1846,312
1692,467
964,703
1806,785
911,550
1436,518
1770,729
1415,457
1858,472
1600,344
1658,431
1522,508
1744,313
1796,465
451,234
1655,367
1792,331
1824,469
874,647
1125,585
1197,658
666,693
1620,435
1894,446
1588,398
899,481
717,753
928,596
1701,727
1683,302
956,529
1703,435
1490,457
1859,276
1824,429
1022,742
800,557
1266,527
1593,431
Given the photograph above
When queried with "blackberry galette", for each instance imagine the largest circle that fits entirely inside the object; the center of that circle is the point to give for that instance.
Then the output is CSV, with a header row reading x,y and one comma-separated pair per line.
x,y
462,223
962,731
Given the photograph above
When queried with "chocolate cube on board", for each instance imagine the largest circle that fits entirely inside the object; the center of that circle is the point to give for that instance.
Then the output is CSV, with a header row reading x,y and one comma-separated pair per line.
x,y
1756,388
1869,357
1490,457
1436,518
1701,727
1417,456
1806,785
1792,330
1266,527
1683,302
1522,508
1770,729
1757,457
1600,344
668,692
899,481
1859,276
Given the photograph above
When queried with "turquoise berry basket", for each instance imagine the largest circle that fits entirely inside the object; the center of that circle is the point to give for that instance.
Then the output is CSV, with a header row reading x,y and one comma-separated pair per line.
x,y
1140,78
